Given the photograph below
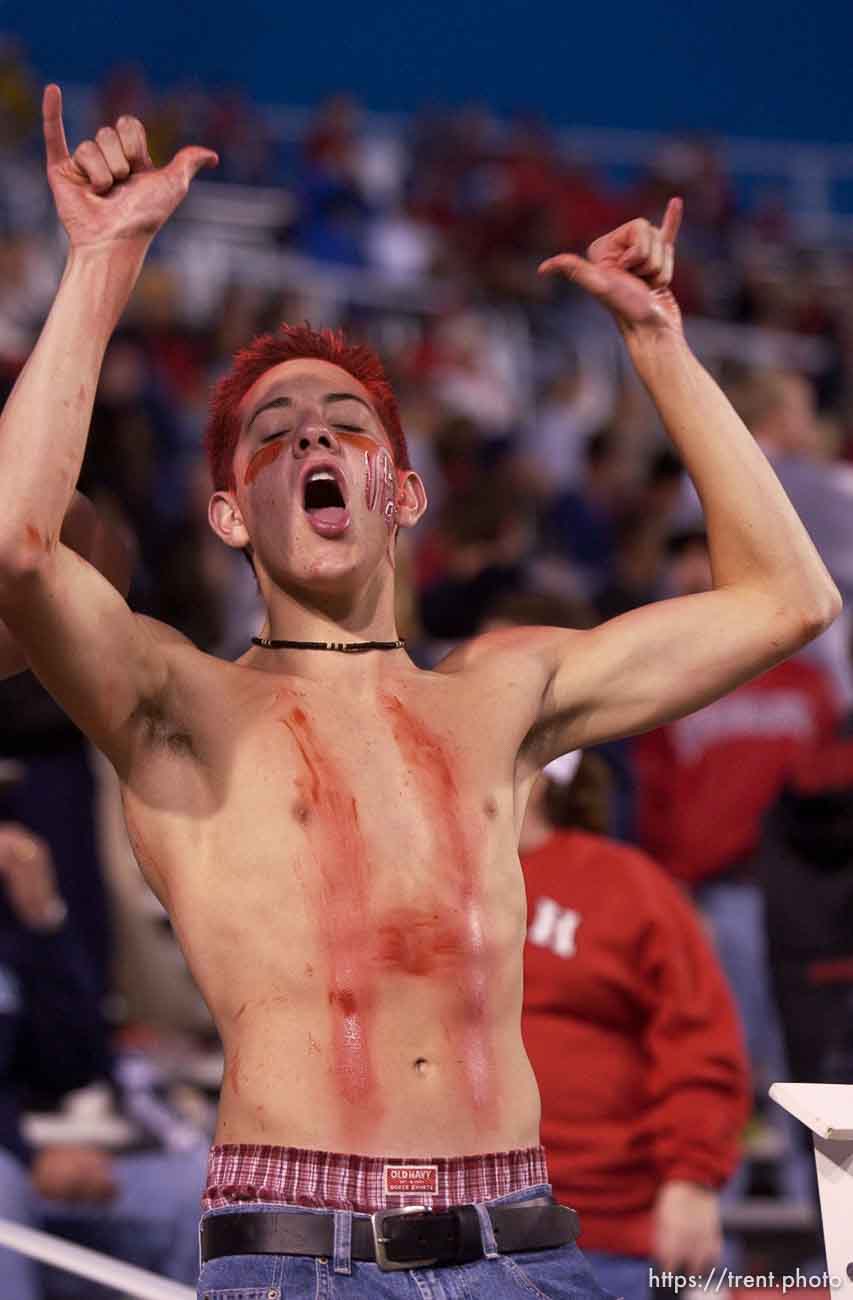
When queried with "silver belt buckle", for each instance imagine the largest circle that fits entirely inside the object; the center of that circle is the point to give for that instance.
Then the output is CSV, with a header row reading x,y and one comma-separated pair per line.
x,y
380,1241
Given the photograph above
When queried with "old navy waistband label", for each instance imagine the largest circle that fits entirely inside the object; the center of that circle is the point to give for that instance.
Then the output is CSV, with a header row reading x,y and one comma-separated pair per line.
x,y
407,1179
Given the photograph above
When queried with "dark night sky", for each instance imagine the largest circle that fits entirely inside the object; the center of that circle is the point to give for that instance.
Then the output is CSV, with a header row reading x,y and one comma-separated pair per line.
x,y
752,68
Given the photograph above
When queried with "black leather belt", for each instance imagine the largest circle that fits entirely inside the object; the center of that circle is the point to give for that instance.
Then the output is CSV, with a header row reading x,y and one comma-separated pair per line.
x,y
403,1238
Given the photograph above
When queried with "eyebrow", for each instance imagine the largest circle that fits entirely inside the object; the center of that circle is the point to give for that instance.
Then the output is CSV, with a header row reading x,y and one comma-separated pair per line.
x,y
286,401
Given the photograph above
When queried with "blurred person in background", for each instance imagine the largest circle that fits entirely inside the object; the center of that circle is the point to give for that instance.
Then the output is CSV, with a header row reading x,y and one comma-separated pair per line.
x,y
640,515
54,973
205,748
704,783
140,1206
780,410
805,867
635,578
477,365
54,791
633,1037
582,522
576,403
483,541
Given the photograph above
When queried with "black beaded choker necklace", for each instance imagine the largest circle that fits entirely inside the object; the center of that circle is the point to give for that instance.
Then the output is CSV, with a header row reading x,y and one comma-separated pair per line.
x,y
344,647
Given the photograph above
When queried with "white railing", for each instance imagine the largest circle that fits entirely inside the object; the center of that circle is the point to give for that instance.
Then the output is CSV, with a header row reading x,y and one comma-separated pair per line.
x,y
133,1281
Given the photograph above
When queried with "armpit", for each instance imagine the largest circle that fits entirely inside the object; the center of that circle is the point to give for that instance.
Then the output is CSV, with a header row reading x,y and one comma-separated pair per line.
x,y
159,732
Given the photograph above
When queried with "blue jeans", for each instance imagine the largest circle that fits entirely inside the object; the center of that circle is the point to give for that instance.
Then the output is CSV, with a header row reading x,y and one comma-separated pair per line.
x,y
560,1274
625,1275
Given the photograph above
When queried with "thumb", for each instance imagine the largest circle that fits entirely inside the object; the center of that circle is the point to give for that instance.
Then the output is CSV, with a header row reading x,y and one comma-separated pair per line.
x,y
188,162
577,269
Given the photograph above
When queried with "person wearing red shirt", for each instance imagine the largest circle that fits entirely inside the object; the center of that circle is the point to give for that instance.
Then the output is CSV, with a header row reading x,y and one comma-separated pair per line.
x,y
634,1040
704,784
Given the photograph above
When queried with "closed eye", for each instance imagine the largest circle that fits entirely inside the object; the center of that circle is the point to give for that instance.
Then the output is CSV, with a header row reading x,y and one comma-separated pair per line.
x,y
350,428
280,433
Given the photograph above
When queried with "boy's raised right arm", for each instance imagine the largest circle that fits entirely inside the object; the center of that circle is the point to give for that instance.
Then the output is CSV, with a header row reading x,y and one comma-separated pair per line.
x,y
96,658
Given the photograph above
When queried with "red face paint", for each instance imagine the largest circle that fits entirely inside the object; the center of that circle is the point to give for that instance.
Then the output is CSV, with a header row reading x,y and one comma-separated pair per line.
x,y
381,484
361,441
380,479
426,753
262,459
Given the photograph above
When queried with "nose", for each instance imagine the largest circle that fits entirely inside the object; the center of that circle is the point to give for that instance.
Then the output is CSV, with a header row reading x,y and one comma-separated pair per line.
x,y
315,436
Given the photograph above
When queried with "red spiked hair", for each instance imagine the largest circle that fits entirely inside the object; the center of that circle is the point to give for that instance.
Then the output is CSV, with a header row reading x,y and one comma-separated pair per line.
x,y
292,343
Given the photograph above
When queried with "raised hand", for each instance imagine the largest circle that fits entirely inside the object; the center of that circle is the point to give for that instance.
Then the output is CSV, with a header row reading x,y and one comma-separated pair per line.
x,y
109,190
629,271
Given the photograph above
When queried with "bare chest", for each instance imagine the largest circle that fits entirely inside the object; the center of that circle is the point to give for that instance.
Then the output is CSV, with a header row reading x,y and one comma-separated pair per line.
x,y
386,781
346,841
356,790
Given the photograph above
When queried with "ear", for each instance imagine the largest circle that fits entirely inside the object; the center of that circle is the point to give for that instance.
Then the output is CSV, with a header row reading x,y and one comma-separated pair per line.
x,y
225,519
411,498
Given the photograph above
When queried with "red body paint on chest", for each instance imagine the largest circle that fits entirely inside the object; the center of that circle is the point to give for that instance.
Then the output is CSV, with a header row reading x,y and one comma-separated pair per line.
x,y
340,857
418,944
427,753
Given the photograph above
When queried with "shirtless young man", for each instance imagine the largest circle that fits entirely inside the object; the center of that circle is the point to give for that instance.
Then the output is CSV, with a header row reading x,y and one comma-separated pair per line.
x,y
335,834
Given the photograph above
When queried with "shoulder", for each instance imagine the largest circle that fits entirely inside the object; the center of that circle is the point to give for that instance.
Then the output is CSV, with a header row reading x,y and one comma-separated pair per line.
x,y
165,634
532,650
184,655
197,681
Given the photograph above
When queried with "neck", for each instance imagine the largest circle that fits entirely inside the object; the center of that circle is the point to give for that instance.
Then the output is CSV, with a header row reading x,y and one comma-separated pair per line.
x,y
335,618
362,613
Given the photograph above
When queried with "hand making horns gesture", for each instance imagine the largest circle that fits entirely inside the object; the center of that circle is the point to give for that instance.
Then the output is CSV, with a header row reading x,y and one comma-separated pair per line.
x,y
109,189
629,271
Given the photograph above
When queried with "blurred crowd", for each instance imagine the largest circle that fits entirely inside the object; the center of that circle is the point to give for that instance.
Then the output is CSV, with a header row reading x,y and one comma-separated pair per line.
x,y
550,481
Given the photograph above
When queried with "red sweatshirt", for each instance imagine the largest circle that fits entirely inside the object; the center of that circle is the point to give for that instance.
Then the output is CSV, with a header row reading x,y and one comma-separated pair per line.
x,y
705,782
632,1035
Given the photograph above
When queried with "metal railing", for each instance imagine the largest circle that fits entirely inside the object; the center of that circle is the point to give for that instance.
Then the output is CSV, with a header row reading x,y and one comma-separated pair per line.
x,y
91,1264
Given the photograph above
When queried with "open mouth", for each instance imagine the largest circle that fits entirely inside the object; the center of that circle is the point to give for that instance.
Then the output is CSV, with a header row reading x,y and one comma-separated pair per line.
x,y
324,503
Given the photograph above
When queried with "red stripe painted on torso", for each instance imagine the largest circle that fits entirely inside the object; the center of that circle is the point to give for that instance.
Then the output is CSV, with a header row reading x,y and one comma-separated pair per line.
x,y
332,829
428,754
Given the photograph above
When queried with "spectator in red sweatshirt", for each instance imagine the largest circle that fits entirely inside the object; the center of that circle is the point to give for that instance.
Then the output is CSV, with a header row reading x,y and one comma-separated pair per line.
x,y
704,784
706,780
634,1039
